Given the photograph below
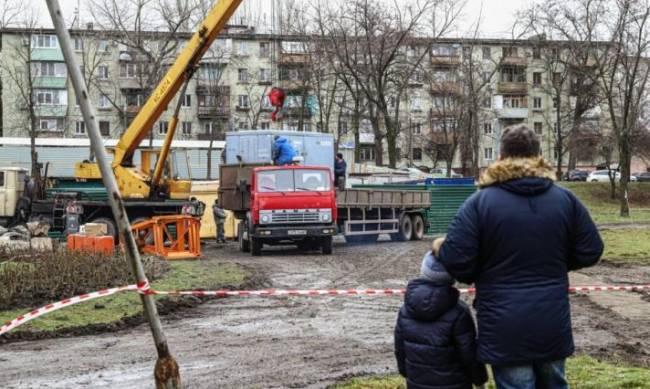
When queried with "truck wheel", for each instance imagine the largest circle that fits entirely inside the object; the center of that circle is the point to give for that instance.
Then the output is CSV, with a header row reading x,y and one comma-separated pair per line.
x,y
256,247
326,245
418,227
244,244
405,228
111,228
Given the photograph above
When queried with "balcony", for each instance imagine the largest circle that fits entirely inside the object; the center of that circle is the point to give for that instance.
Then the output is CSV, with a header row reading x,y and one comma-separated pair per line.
x,y
50,111
449,60
296,112
295,86
443,112
445,88
218,136
512,113
512,87
212,112
132,110
293,59
129,83
50,82
514,60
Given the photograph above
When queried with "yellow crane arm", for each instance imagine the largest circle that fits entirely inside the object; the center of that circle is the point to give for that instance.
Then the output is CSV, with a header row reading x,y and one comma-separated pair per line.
x,y
179,73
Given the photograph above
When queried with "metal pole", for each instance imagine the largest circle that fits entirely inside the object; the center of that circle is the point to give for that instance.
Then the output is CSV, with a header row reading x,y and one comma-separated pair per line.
x,y
166,372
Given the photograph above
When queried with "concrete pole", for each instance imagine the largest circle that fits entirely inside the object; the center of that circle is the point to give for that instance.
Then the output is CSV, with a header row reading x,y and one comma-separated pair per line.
x,y
166,372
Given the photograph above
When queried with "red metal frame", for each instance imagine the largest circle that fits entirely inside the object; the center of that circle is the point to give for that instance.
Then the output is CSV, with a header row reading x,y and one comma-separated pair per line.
x,y
153,236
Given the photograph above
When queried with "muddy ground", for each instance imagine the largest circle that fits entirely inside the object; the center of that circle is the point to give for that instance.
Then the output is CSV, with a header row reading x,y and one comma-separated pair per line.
x,y
299,342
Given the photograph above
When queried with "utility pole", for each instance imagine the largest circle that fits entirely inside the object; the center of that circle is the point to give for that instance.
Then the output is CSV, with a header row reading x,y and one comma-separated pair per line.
x,y
166,372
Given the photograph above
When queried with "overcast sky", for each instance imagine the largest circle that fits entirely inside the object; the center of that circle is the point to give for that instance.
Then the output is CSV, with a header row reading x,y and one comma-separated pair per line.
x,y
498,16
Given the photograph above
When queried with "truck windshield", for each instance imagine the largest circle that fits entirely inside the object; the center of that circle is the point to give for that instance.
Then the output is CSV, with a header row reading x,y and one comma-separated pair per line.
x,y
298,180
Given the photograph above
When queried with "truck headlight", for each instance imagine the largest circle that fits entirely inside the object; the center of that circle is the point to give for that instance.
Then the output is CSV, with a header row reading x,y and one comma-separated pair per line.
x,y
265,218
326,217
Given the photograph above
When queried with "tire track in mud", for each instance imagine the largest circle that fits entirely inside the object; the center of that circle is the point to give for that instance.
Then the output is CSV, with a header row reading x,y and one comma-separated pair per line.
x,y
288,342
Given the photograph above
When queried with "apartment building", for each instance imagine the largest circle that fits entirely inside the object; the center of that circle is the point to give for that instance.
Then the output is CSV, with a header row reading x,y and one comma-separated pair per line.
x,y
229,90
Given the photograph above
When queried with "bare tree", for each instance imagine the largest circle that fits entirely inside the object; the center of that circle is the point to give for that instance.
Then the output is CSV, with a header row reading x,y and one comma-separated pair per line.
x,y
22,72
368,40
10,10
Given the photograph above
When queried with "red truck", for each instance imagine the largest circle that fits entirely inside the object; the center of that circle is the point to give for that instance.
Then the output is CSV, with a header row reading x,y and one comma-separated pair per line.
x,y
279,205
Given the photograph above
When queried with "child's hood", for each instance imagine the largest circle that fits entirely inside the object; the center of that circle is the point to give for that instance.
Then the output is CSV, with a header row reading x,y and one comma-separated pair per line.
x,y
426,300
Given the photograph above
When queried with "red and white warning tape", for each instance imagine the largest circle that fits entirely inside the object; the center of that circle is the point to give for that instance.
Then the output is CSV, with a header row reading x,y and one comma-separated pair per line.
x,y
145,288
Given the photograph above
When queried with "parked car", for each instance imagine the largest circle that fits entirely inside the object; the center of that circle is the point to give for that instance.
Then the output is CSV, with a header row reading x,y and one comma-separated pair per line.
x,y
603,176
642,177
576,175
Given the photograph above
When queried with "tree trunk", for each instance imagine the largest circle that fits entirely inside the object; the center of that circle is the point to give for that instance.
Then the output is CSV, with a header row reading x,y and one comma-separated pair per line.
x,y
379,141
209,175
624,166
558,170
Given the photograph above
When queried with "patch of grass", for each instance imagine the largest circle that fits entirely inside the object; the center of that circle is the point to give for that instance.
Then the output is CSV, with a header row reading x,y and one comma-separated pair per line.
x,y
603,209
583,372
627,245
183,275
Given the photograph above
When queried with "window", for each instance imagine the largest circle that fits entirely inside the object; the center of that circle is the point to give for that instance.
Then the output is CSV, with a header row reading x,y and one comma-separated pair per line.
x,y
54,124
266,102
2,179
443,51
343,128
242,125
265,125
265,49
265,75
487,102
554,52
367,153
128,70
486,76
187,101
537,126
557,78
104,128
44,42
513,74
80,128
48,69
487,128
537,79
487,153
51,96
554,102
133,99
417,154
417,128
78,44
163,127
102,72
186,128
509,51
537,103
243,101
467,51
537,53
104,102
416,103
242,48
102,45
294,47
242,75
392,101
487,52
210,71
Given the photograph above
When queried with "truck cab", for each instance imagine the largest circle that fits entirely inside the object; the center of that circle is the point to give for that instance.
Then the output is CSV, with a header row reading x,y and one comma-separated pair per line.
x,y
280,205
12,187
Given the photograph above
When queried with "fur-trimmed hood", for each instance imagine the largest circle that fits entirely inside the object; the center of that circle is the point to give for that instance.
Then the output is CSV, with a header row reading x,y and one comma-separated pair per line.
x,y
515,168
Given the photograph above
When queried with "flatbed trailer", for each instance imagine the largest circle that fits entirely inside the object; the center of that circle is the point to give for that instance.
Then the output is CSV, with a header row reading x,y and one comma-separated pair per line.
x,y
364,214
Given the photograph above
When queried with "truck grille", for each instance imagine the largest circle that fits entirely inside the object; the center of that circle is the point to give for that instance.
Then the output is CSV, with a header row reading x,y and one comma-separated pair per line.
x,y
295,217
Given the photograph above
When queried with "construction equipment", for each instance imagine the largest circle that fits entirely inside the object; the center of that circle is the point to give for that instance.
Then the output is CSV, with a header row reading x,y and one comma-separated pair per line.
x,y
137,182
169,237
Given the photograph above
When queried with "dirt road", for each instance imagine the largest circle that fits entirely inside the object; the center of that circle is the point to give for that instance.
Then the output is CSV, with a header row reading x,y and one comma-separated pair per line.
x,y
299,342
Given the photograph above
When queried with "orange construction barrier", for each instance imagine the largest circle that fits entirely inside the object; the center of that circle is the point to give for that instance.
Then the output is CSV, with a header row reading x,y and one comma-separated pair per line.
x,y
91,244
170,237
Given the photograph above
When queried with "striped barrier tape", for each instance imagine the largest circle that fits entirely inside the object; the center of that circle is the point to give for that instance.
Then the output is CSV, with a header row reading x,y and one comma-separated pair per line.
x,y
145,288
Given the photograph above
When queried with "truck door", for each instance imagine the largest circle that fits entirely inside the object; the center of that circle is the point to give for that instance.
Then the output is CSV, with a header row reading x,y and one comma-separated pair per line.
x,y
3,195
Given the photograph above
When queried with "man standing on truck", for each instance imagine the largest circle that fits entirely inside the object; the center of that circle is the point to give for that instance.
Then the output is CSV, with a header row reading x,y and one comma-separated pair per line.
x,y
283,151
340,168
219,221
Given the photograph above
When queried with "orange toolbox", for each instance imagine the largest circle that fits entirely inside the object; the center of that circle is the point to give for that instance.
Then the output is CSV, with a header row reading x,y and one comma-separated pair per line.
x,y
92,244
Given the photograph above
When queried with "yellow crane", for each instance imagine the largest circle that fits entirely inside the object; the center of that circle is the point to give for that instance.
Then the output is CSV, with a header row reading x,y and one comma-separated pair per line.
x,y
137,182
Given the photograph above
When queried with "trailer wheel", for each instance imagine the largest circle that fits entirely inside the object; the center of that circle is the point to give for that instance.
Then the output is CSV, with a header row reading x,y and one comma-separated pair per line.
x,y
405,228
326,245
111,228
255,247
418,227
244,244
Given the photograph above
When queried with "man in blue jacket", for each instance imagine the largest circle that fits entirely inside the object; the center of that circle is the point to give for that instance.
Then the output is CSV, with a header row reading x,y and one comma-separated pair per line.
x,y
283,151
516,240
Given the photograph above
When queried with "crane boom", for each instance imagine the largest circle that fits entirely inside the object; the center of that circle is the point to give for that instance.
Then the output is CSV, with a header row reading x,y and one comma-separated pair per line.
x,y
180,72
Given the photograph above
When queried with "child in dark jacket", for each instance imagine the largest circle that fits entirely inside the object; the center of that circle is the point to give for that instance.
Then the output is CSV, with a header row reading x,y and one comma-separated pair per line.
x,y
435,334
